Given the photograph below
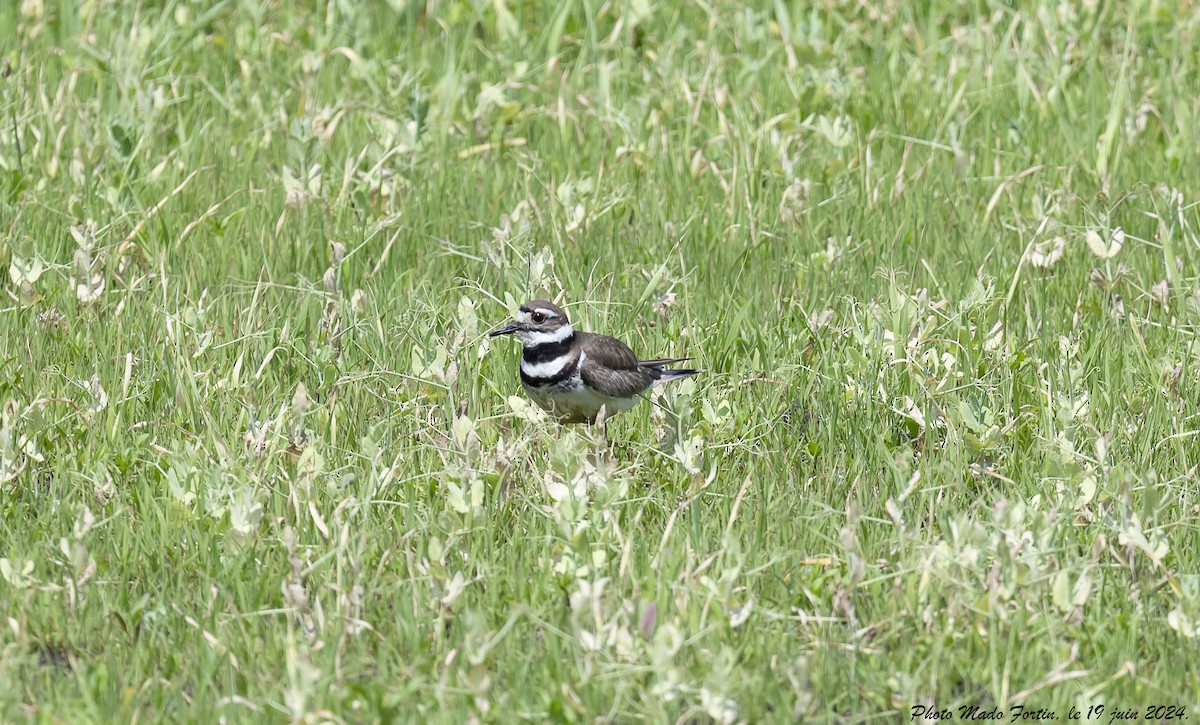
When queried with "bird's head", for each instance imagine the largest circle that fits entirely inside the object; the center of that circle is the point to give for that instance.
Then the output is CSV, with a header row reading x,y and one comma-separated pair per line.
x,y
538,323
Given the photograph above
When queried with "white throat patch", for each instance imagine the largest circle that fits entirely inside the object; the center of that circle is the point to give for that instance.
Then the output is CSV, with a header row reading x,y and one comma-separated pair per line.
x,y
535,338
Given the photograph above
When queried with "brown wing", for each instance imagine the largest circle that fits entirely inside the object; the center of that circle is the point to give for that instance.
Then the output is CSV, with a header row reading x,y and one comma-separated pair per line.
x,y
616,370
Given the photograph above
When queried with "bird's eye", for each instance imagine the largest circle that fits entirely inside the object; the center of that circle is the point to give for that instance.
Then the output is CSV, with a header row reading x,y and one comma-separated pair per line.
x,y
538,317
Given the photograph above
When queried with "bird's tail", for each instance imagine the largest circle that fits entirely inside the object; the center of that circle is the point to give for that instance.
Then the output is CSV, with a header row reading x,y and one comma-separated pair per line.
x,y
662,362
669,375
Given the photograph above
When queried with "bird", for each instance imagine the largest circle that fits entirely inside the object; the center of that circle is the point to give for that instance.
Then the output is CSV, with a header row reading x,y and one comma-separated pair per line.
x,y
580,377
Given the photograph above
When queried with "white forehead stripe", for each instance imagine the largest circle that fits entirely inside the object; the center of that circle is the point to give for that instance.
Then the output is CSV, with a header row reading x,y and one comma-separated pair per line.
x,y
522,316
548,369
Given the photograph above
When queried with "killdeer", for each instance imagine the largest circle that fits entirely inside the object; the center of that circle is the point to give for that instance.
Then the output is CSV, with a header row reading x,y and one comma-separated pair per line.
x,y
575,376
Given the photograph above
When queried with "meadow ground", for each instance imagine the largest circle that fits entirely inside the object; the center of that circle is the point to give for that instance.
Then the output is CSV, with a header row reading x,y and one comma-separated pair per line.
x,y
258,460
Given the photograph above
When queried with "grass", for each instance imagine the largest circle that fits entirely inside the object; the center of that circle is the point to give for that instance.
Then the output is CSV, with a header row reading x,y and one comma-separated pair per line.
x,y
258,459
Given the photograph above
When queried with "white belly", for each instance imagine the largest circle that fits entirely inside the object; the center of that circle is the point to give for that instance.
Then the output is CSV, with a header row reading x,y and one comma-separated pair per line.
x,y
574,402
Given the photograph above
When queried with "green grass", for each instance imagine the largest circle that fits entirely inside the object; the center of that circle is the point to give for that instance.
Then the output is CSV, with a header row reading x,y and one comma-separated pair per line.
x,y
259,461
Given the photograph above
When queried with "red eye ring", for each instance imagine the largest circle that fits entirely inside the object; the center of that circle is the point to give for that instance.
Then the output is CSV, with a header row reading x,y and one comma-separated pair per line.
x,y
538,317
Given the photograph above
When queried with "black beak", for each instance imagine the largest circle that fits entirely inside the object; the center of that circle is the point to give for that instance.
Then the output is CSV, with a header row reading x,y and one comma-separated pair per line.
x,y
506,330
